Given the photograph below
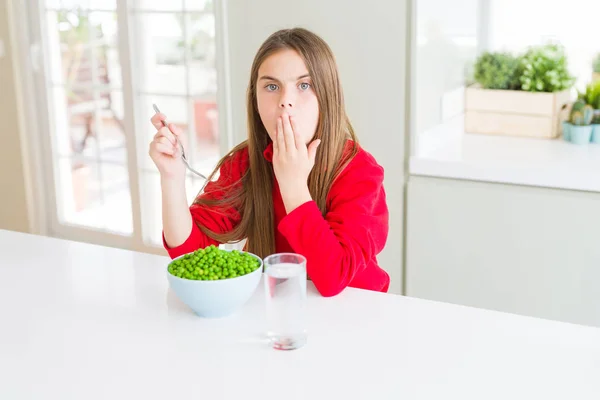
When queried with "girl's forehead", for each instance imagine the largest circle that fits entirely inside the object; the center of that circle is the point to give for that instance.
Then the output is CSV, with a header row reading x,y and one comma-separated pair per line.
x,y
284,64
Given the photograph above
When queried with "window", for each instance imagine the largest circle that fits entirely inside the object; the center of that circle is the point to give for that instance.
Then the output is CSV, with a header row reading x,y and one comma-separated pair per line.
x,y
448,37
103,64
514,25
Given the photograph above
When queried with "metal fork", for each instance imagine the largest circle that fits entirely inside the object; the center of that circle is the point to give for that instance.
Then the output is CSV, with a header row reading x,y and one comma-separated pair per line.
x,y
183,157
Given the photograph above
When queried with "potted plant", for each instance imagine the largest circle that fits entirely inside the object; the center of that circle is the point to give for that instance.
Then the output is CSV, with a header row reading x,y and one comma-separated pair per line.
x,y
579,126
596,127
519,95
596,69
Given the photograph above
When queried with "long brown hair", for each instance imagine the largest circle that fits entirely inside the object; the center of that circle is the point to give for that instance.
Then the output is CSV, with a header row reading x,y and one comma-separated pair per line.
x,y
253,198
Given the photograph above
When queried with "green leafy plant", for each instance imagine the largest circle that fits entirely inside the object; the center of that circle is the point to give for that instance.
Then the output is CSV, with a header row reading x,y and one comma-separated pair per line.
x,y
596,64
582,114
591,95
545,69
497,70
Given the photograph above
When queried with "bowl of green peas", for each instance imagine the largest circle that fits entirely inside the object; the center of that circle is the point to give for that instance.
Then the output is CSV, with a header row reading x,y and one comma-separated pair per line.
x,y
214,282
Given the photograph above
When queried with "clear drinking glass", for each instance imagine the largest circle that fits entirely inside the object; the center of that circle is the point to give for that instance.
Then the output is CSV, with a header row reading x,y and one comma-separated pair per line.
x,y
285,293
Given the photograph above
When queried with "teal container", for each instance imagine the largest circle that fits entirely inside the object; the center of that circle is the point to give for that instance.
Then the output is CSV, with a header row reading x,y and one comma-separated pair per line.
x,y
566,126
596,133
580,134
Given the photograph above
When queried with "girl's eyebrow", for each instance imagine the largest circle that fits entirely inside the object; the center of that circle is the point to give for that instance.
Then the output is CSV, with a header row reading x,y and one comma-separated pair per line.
x,y
270,78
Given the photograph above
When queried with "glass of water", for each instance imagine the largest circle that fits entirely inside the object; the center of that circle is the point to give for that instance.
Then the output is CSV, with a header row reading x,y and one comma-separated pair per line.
x,y
285,293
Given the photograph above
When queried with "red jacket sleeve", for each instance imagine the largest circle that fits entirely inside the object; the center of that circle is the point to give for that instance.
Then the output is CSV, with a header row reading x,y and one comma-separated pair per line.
x,y
354,230
218,220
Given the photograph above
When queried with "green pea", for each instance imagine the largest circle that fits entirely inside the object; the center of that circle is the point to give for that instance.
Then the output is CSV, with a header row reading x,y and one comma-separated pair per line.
x,y
212,263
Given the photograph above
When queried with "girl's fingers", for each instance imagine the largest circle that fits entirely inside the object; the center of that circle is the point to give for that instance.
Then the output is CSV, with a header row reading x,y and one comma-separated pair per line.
x,y
275,149
164,148
157,120
179,134
279,135
297,137
165,141
166,133
288,134
175,129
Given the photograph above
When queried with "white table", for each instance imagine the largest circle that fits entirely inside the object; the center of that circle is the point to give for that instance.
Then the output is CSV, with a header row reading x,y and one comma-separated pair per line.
x,y
88,322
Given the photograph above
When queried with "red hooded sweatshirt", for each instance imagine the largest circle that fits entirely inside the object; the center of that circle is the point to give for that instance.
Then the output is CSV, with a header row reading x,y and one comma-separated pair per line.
x,y
340,248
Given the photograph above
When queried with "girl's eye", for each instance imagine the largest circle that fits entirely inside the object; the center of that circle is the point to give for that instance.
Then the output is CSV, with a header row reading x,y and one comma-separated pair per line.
x,y
304,86
271,87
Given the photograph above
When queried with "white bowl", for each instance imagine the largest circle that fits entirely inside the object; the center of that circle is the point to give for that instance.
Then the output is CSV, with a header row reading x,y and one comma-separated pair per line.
x,y
219,298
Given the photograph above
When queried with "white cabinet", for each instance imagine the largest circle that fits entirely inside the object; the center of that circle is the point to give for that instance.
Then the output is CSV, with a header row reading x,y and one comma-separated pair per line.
x,y
524,250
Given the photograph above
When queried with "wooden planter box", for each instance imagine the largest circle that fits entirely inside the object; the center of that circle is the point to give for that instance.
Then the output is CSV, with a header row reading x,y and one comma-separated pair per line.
x,y
515,112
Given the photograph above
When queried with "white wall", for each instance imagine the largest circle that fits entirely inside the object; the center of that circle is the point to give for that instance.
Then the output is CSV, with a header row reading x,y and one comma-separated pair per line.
x,y
14,212
369,41
524,250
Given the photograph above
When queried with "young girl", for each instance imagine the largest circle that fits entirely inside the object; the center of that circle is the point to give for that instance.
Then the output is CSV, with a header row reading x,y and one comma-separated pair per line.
x,y
300,183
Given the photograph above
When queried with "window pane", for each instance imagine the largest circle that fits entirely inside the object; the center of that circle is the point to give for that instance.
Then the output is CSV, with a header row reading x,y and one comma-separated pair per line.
x,y
87,112
158,5
202,37
94,195
202,64
78,189
105,48
446,40
206,151
83,48
69,41
111,128
89,124
74,133
512,30
199,5
160,66
103,4
84,4
116,207
152,204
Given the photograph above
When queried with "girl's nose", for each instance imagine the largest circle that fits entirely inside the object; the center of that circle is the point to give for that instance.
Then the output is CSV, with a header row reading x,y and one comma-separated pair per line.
x,y
287,100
